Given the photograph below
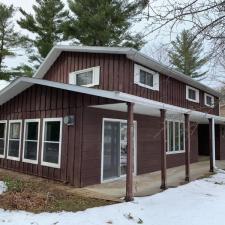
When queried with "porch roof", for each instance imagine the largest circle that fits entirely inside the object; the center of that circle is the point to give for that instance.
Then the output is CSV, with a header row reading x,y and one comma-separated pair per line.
x,y
142,105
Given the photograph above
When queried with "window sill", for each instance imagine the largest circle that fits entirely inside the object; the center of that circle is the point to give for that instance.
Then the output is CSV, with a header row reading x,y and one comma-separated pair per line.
x,y
174,152
146,86
30,161
53,165
13,158
192,100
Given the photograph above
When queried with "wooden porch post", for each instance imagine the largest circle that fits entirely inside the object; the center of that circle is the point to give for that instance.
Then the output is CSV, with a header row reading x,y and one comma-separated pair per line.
x,y
211,144
130,152
187,147
163,148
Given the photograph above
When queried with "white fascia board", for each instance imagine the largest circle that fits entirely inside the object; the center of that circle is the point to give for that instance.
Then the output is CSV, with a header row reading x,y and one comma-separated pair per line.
x,y
23,83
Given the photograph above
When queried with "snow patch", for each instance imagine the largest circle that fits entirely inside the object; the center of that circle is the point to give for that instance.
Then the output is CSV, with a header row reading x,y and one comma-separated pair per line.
x,y
3,187
201,202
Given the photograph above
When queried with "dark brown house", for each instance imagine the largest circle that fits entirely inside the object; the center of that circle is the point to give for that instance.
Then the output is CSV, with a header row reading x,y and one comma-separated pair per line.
x,y
90,114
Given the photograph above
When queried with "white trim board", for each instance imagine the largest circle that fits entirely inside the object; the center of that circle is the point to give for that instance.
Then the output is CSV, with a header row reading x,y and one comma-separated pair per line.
x,y
23,83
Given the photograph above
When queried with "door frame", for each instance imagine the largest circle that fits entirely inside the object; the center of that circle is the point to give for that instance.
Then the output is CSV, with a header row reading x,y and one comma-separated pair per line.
x,y
102,150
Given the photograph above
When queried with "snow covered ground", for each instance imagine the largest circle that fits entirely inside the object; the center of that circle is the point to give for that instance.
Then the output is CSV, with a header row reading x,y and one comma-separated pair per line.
x,y
201,202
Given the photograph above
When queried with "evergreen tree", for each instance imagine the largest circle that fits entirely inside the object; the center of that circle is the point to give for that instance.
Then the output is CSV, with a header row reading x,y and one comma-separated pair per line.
x,y
186,55
9,40
105,23
46,25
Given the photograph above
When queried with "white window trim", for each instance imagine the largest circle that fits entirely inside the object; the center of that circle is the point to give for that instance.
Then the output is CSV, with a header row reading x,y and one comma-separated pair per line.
x,y
5,136
167,128
102,155
24,139
43,163
11,157
137,69
96,76
205,100
187,94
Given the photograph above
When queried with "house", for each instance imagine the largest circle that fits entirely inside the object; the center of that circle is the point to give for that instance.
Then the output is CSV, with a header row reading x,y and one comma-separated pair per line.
x,y
95,114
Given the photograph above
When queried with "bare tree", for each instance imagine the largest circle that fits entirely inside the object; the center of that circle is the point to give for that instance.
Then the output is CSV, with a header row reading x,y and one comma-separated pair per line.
x,y
205,17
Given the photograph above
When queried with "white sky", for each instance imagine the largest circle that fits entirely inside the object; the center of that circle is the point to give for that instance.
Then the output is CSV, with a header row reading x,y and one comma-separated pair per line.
x,y
153,41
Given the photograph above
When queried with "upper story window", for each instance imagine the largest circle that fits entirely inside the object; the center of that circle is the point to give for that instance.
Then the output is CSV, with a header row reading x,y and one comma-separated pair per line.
x,y
209,100
192,94
146,78
87,77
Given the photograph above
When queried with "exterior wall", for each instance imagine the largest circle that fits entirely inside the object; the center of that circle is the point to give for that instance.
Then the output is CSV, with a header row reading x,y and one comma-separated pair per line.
x,y
117,73
148,144
81,143
43,102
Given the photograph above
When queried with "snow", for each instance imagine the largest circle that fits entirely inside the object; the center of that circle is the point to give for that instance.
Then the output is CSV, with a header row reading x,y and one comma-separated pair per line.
x,y
200,202
3,187
3,84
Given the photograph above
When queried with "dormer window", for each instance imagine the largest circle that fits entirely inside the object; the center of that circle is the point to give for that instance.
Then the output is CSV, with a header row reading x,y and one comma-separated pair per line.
x,y
87,77
192,94
146,78
209,100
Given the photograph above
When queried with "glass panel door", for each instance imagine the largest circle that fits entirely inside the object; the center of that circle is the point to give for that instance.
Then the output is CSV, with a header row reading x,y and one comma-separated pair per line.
x,y
123,148
111,158
115,149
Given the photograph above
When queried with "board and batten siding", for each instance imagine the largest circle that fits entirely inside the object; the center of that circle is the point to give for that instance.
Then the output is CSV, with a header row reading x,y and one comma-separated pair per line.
x,y
117,74
82,142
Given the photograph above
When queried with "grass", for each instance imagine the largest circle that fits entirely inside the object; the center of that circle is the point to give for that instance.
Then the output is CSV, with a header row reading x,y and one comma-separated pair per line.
x,y
37,196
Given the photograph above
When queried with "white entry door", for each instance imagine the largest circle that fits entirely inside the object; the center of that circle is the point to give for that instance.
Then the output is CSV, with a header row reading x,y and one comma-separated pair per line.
x,y
114,149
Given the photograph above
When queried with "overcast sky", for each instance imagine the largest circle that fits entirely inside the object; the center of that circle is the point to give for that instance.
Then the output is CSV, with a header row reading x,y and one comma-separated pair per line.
x,y
153,41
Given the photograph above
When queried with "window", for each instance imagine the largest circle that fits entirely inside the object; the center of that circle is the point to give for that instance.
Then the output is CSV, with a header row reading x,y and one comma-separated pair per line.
x,y
87,77
175,136
14,139
146,78
3,127
31,141
192,94
51,142
209,100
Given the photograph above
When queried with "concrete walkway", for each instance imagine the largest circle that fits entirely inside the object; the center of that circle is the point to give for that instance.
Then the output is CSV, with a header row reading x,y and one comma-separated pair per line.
x,y
148,184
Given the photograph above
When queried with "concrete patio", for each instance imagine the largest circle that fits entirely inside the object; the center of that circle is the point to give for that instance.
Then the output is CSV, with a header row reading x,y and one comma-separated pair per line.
x,y
148,184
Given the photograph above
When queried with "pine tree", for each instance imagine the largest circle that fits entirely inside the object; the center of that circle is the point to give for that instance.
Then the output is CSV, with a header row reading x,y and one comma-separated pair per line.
x,y
186,55
46,25
105,23
9,40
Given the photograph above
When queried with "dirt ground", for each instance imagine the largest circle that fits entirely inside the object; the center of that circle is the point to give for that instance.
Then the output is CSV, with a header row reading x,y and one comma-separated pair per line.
x,y
35,194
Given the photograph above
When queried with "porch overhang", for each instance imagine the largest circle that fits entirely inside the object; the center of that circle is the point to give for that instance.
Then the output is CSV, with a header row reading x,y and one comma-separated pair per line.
x,y
152,108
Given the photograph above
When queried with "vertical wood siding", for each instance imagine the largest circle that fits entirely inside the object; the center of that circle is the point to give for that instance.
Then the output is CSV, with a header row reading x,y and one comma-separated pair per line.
x,y
117,73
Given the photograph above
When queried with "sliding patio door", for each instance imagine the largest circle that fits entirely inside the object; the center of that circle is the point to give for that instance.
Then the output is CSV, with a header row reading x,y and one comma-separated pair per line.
x,y
114,149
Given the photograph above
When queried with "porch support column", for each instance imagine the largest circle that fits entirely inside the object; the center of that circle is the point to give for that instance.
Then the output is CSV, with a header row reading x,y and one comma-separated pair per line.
x,y
212,144
130,152
187,147
163,149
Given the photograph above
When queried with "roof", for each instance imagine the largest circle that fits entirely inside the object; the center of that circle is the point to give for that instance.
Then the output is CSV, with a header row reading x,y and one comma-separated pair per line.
x,y
130,53
141,104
